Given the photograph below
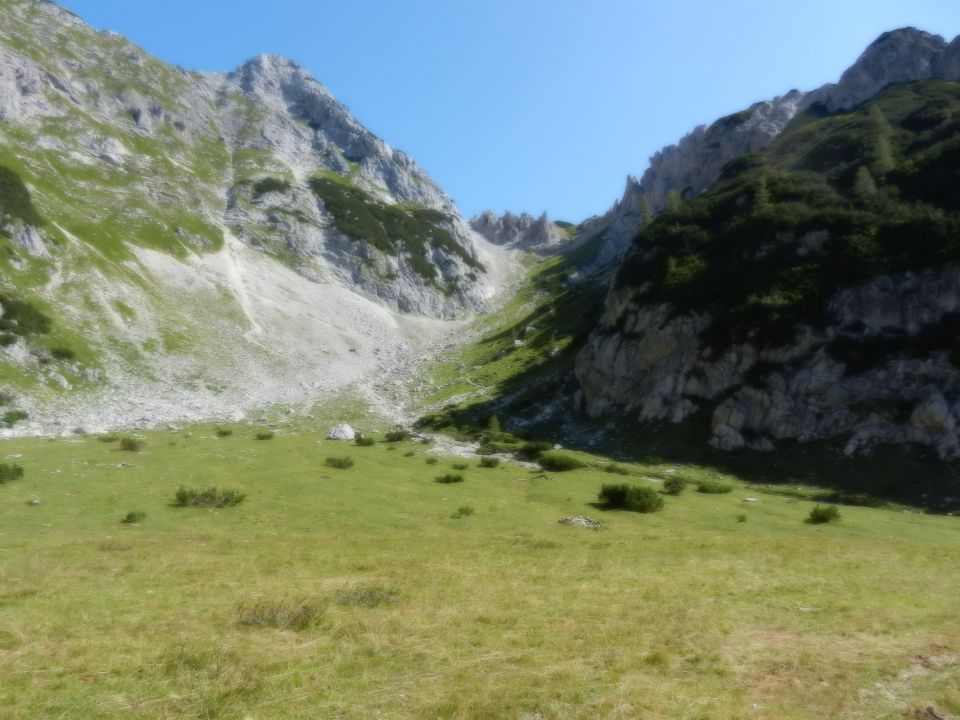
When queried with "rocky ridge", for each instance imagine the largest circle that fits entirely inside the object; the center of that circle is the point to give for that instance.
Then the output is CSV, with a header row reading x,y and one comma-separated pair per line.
x,y
693,165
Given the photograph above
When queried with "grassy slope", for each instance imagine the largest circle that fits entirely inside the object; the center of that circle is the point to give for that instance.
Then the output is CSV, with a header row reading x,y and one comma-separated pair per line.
x,y
684,614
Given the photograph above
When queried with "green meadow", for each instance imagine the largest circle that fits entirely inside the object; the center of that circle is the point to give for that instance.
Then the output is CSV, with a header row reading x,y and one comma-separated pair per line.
x,y
373,591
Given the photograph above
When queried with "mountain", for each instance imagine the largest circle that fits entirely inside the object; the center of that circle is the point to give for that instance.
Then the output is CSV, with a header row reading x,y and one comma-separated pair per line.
x,y
204,242
812,293
694,164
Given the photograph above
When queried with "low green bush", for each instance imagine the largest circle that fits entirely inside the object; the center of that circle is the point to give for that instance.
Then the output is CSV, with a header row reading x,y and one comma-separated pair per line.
x,y
534,448
449,478
556,461
492,448
714,487
674,485
364,441
396,436
432,461
615,469
460,466
462,512
133,517
821,514
108,438
409,453
62,353
212,497
223,433
265,435
12,417
132,444
9,472
489,462
631,497
341,463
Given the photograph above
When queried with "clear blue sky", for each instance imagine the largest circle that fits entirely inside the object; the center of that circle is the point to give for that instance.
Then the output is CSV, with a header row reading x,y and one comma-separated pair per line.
x,y
530,105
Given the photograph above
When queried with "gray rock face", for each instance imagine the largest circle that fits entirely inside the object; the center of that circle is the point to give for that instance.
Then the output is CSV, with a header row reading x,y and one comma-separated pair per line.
x,y
693,165
646,361
185,141
520,232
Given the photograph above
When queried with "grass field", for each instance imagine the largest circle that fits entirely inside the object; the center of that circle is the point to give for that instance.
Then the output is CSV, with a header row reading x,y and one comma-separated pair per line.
x,y
369,592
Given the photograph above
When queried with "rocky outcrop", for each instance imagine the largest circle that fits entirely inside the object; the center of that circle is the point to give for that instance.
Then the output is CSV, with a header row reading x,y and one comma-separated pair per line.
x,y
693,165
861,378
520,232
182,152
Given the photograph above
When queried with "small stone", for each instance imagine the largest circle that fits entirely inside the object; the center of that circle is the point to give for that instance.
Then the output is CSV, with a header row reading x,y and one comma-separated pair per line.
x,y
33,502
581,521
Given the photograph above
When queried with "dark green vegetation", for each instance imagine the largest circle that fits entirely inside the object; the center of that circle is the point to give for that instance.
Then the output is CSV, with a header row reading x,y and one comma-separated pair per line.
x,y
559,461
449,478
820,515
10,472
15,200
396,436
674,485
211,497
265,435
631,497
134,517
268,185
489,462
391,229
836,200
364,441
20,319
341,463
130,444
713,487
12,417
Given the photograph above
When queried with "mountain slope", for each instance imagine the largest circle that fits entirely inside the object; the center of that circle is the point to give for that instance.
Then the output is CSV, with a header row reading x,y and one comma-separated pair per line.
x,y
226,239
812,293
694,164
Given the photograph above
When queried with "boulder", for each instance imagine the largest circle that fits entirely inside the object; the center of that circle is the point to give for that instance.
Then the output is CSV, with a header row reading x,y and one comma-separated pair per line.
x,y
341,432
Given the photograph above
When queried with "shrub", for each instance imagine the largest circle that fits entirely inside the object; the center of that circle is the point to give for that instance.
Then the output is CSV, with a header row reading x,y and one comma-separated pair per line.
x,y
364,441
450,478
108,438
212,497
62,353
222,433
9,472
741,518
12,417
409,453
631,497
615,469
396,436
559,462
674,485
341,463
131,444
369,596
533,448
462,512
432,461
460,466
489,462
269,185
823,514
133,517
265,435
713,487
489,448
298,614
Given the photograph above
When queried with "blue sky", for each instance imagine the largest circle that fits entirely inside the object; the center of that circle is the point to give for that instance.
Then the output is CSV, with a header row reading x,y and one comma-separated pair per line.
x,y
530,105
